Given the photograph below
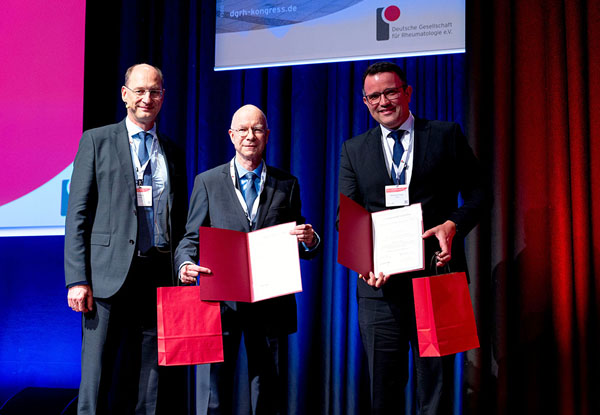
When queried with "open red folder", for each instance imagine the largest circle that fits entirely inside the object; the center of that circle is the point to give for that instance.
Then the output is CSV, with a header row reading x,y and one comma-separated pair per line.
x,y
388,241
249,267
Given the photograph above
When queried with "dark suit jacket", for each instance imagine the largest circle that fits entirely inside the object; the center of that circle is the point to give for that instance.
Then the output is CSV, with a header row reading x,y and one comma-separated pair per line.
x,y
443,166
101,225
214,203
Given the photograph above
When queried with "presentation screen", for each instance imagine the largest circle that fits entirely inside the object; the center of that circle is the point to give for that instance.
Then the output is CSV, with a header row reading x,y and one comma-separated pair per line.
x,y
41,111
258,33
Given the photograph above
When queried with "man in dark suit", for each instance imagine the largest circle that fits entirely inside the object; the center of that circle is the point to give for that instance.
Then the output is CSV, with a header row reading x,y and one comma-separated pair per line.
x,y
126,213
244,195
434,159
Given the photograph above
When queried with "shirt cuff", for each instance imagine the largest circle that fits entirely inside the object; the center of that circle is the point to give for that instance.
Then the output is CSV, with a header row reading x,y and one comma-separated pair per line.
x,y
307,249
181,266
73,284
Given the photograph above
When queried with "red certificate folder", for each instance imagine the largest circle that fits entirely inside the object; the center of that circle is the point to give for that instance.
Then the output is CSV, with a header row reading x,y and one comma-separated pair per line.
x,y
355,243
387,241
249,267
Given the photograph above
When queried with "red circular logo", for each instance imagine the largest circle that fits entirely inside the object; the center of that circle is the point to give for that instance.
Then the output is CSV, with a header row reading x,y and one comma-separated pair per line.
x,y
391,13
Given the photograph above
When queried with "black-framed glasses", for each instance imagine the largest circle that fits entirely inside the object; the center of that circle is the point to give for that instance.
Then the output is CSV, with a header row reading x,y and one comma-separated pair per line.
x,y
243,132
154,93
390,94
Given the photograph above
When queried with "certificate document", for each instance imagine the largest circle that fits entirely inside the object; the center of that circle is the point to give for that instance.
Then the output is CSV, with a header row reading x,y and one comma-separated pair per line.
x,y
249,267
397,242
388,241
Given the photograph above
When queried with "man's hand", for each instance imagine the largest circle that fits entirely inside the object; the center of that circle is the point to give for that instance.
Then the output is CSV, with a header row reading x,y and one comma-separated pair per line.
x,y
80,298
373,281
444,233
189,273
306,234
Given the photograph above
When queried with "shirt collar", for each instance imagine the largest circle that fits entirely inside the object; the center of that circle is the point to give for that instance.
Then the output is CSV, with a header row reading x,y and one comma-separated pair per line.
x,y
133,129
242,171
407,125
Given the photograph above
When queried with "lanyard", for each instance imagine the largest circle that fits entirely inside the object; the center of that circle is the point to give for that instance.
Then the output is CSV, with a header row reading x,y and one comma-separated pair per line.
x,y
238,192
139,169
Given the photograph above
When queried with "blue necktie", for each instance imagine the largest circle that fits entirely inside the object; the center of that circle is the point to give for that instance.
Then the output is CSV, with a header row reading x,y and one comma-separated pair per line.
x,y
397,157
144,147
145,213
250,194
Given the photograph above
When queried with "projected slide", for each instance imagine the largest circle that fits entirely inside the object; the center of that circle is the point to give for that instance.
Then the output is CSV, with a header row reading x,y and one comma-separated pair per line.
x,y
41,111
259,33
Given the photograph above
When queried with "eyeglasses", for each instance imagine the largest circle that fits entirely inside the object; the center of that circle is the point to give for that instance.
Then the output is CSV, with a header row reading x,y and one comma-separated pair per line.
x,y
154,93
243,132
390,94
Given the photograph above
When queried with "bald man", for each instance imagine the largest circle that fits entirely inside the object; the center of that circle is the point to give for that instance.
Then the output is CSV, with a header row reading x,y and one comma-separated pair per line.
x,y
125,217
244,195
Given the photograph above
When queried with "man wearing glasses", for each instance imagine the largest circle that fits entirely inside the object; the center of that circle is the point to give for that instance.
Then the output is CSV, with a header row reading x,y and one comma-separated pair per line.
x,y
126,214
244,195
435,161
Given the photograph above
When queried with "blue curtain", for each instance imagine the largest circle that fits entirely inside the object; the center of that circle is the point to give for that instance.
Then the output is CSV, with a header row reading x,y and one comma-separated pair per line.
x,y
311,111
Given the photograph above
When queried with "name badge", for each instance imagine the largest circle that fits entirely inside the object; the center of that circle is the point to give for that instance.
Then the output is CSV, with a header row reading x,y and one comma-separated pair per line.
x,y
144,195
396,195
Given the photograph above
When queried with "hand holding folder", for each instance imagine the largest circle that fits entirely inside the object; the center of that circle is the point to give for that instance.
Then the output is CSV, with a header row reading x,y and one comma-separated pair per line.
x,y
249,267
389,241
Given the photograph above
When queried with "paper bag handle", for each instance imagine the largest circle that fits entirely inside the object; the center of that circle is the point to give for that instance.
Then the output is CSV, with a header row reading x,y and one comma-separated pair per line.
x,y
432,265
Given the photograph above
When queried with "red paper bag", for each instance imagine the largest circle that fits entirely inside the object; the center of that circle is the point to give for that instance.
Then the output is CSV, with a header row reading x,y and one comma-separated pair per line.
x,y
189,329
445,319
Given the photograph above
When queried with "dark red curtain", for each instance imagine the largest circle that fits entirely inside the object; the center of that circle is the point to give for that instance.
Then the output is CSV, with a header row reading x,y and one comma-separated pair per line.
x,y
534,68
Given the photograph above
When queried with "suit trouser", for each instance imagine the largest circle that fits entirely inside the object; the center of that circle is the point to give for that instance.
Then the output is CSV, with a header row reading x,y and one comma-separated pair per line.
x,y
119,362
267,361
387,328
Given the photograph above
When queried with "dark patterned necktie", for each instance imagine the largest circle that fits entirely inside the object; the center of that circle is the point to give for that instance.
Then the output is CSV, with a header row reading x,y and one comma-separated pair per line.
x,y
397,157
145,213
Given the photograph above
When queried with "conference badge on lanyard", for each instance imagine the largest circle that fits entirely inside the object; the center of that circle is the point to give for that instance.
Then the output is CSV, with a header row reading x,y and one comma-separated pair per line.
x,y
396,195
143,193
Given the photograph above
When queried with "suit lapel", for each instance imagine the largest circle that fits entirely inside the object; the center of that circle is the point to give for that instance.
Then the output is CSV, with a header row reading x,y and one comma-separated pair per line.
x,y
171,173
421,143
232,199
265,200
170,167
121,142
376,158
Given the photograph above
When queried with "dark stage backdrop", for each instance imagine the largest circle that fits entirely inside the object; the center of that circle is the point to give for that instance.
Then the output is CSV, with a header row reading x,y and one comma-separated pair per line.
x,y
311,110
526,98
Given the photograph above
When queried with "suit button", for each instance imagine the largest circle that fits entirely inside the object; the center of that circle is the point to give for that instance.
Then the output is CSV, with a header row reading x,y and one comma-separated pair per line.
x,y
131,242
134,212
